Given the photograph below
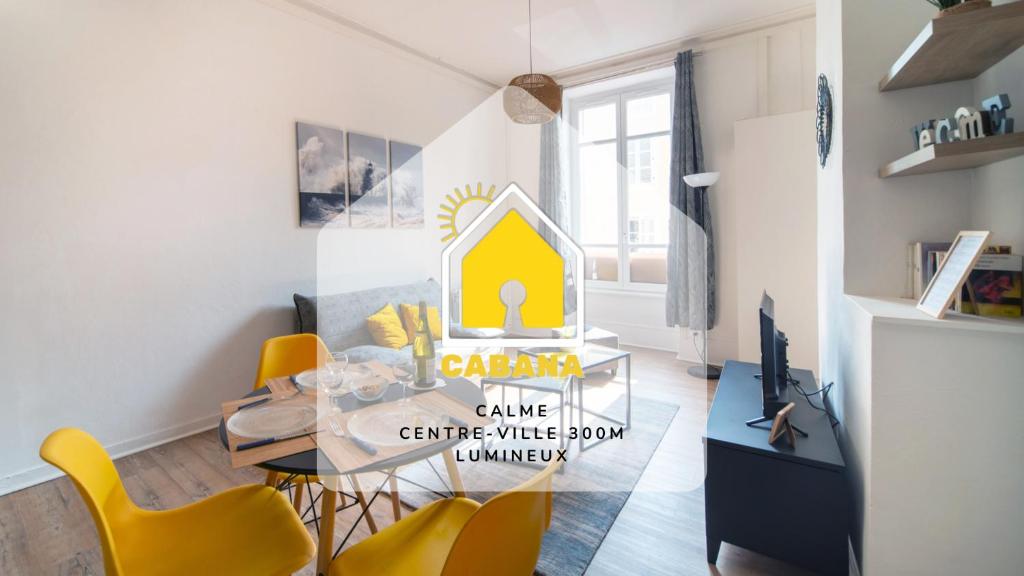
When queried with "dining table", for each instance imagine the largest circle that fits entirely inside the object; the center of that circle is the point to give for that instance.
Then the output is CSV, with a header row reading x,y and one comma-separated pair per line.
x,y
315,463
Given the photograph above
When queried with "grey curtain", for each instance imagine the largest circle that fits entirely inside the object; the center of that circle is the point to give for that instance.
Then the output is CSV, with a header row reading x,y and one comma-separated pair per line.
x,y
553,195
690,297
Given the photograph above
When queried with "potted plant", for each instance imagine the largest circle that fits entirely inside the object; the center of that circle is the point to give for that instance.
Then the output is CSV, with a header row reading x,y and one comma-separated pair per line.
x,y
947,7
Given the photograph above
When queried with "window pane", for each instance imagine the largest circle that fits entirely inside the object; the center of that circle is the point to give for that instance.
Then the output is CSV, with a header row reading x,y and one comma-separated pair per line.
x,y
598,197
648,114
648,265
648,190
597,123
601,263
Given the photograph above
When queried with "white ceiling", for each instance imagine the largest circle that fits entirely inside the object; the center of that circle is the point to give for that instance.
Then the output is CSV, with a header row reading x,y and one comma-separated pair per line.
x,y
488,38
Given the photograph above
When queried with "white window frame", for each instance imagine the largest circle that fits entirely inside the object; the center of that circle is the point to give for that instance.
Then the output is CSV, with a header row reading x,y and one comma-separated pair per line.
x,y
619,97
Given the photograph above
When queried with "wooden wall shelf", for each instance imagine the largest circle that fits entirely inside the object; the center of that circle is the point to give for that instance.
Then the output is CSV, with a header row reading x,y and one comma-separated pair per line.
x,y
957,155
958,47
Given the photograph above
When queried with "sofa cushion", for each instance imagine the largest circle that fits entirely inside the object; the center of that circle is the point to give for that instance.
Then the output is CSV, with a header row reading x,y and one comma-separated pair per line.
x,y
340,319
386,328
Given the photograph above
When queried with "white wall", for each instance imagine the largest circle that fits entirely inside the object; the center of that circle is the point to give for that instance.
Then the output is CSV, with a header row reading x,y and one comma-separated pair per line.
x,y
997,203
775,170
767,72
149,217
865,225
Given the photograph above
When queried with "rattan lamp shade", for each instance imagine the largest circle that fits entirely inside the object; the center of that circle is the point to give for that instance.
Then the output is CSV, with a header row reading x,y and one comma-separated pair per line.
x,y
532,99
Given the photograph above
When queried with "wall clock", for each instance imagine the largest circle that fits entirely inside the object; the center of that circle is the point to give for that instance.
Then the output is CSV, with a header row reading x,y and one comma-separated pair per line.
x,y
824,123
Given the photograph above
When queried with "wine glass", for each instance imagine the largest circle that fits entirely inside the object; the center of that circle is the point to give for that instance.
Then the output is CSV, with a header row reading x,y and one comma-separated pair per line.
x,y
338,363
332,381
405,373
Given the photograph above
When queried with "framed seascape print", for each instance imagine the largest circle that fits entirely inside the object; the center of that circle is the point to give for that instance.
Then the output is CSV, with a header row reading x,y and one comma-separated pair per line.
x,y
368,181
322,175
406,185
949,278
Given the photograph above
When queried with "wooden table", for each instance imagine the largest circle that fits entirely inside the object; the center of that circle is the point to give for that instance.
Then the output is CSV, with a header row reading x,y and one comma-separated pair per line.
x,y
315,463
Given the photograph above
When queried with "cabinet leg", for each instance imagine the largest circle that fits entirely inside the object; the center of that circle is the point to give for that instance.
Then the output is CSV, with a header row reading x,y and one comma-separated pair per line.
x,y
713,547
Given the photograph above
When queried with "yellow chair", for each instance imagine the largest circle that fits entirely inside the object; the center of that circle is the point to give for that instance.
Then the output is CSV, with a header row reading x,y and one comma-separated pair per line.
x,y
247,530
286,356
459,537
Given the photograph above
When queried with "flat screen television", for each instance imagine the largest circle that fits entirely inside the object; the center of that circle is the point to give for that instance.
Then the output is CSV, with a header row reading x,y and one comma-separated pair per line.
x,y
774,364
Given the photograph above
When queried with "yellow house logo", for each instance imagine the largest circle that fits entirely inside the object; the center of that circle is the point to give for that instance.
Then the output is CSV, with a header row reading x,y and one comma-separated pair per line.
x,y
500,274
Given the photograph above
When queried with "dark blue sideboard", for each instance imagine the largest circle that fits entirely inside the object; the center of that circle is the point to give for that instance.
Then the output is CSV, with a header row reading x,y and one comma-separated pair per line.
x,y
790,503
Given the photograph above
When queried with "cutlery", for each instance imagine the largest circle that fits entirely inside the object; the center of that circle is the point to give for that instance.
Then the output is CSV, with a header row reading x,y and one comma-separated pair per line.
x,y
271,440
254,404
269,398
365,447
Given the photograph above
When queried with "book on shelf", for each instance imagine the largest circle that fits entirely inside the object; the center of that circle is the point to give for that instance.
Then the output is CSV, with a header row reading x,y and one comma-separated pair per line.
x,y
924,259
995,287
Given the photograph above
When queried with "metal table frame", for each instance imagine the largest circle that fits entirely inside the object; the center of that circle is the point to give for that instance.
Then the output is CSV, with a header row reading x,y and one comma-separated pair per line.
x,y
532,384
615,356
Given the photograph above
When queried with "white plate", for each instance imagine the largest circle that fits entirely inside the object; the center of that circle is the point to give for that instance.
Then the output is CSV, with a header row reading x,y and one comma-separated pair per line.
x,y
309,380
382,424
438,383
271,421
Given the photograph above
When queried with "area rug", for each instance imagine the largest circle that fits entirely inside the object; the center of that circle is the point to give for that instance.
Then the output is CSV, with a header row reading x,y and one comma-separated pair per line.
x,y
588,496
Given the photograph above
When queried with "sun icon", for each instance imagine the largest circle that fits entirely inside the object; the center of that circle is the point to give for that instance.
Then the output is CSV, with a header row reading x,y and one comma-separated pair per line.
x,y
461,209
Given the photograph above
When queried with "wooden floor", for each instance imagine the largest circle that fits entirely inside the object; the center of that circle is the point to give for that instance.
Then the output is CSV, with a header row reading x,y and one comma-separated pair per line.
x,y
46,530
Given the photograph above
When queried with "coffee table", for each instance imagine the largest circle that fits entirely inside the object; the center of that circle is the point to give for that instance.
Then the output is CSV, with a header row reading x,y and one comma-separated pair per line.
x,y
594,358
546,385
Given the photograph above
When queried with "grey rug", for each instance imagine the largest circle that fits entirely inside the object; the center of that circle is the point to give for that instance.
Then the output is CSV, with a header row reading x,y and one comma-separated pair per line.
x,y
588,497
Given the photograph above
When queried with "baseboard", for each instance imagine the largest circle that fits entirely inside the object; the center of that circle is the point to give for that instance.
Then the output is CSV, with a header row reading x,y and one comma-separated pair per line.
x,y
721,349
657,338
44,472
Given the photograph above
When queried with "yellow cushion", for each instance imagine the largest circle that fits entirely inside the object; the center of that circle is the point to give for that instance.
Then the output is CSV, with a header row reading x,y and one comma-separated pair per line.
x,y
386,328
411,315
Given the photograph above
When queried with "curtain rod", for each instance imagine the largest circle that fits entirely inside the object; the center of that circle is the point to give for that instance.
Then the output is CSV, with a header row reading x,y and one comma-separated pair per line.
x,y
661,63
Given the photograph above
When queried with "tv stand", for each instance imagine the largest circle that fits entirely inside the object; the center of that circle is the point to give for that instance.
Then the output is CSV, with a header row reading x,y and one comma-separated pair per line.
x,y
750,483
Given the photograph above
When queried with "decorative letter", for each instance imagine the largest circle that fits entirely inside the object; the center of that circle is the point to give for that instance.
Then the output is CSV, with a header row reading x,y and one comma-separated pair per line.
x,y
971,122
919,131
926,138
945,131
997,107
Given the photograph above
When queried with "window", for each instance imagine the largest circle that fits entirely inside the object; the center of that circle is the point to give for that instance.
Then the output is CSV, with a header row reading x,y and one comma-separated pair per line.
x,y
620,182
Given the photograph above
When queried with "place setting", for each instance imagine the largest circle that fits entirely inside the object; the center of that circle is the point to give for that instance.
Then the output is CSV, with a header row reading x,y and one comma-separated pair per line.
x,y
357,414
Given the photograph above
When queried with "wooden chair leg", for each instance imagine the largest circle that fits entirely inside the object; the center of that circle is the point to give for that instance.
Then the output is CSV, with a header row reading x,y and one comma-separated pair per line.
x,y
396,501
453,473
325,548
362,503
271,478
297,499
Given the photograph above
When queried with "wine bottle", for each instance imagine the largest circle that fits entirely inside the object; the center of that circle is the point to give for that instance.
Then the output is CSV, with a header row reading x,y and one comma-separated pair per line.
x,y
423,350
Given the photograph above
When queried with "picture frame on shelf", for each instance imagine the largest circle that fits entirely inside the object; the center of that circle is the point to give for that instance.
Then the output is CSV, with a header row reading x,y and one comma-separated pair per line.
x,y
963,254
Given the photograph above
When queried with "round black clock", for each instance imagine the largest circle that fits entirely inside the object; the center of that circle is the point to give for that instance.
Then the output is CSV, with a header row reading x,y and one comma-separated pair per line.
x,y
824,123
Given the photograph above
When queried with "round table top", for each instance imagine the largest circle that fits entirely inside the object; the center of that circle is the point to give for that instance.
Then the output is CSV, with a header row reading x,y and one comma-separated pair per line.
x,y
314,462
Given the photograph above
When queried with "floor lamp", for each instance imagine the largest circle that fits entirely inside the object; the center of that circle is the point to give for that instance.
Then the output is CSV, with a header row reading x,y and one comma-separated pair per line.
x,y
705,370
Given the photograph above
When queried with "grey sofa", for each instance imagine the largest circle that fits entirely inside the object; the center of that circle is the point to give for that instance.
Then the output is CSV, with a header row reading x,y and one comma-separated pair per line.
x,y
340,319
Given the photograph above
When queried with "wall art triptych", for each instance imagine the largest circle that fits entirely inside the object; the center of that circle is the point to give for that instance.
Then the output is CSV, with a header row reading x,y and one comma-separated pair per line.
x,y
351,180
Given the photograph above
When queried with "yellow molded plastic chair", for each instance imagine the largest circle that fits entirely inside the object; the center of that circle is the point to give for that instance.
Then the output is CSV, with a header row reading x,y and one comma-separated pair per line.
x,y
459,537
249,530
288,355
